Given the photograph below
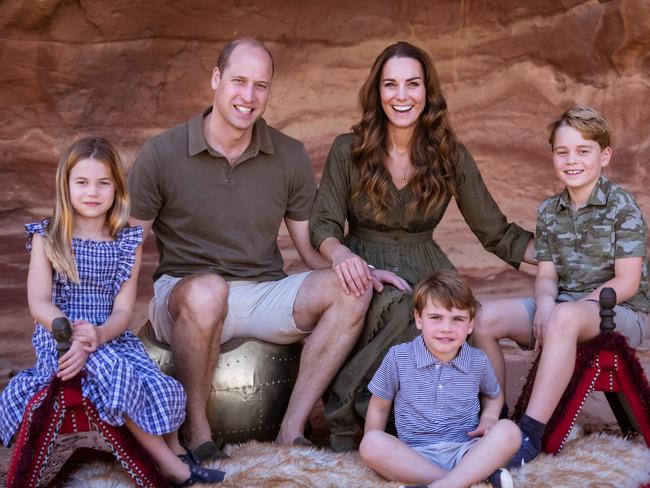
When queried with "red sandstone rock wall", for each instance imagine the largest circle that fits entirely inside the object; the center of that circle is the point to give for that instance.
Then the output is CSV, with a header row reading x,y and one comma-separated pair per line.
x,y
128,69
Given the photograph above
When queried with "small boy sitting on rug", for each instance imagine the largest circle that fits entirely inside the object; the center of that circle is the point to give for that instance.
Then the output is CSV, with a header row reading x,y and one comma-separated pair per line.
x,y
436,381
590,236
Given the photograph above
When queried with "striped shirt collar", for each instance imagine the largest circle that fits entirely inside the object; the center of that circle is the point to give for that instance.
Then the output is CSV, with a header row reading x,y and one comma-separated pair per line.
x,y
424,359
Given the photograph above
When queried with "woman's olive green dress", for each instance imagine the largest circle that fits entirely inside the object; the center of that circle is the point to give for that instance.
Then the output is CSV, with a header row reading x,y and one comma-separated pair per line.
x,y
401,242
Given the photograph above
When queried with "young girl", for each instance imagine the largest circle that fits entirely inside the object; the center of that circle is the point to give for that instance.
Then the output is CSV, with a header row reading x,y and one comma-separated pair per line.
x,y
84,266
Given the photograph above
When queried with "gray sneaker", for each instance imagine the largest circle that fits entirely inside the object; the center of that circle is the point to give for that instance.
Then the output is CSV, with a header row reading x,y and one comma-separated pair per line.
x,y
501,479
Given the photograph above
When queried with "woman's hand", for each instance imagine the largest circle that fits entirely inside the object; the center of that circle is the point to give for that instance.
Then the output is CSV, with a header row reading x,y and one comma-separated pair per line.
x,y
381,276
353,272
73,361
86,333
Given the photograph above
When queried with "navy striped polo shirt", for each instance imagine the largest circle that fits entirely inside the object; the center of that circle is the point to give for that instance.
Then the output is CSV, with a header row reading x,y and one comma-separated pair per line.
x,y
434,401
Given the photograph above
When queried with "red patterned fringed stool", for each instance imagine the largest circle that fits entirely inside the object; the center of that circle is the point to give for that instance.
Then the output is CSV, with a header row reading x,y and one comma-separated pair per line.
x,y
60,409
607,364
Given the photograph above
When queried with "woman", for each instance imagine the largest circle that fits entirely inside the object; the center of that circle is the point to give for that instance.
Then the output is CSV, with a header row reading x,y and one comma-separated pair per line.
x,y
391,181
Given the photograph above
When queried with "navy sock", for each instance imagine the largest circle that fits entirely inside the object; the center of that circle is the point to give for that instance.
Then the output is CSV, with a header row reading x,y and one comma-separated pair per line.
x,y
532,428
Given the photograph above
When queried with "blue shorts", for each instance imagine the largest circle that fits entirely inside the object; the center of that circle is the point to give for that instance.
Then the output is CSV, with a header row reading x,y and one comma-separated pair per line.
x,y
446,454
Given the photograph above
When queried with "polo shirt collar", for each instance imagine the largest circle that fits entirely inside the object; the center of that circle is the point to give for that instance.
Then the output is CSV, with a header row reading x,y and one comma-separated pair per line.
x,y
260,141
598,195
423,358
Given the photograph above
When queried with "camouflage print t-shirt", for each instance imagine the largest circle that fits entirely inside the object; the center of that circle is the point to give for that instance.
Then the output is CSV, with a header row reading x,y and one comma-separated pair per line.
x,y
584,245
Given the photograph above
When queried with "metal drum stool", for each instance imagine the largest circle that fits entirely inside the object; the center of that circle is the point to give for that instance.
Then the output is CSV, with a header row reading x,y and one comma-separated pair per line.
x,y
250,389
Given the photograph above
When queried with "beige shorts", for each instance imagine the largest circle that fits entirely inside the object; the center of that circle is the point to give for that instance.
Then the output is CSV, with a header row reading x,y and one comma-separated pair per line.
x,y
259,309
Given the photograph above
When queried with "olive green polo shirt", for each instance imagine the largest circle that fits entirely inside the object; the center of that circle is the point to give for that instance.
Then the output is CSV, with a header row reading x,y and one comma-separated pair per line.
x,y
584,245
211,216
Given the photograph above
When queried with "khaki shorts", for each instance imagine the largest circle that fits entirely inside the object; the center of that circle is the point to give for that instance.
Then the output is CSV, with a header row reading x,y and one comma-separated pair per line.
x,y
259,309
629,323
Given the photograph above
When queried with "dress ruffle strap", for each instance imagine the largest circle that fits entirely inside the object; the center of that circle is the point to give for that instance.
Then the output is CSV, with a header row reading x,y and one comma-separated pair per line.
x,y
32,229
128,239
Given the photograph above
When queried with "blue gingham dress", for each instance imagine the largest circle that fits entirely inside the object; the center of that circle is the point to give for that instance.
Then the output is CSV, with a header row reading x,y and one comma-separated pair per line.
x,y
121,380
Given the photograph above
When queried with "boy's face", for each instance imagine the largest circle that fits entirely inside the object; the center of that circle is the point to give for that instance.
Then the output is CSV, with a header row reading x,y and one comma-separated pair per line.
x,y
444,331
578,161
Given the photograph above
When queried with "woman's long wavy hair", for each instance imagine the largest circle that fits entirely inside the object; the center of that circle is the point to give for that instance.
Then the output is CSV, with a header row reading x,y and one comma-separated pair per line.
x,y
58,246
433,147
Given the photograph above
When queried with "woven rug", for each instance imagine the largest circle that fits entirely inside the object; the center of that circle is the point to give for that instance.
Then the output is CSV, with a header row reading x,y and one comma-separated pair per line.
x,y
597,460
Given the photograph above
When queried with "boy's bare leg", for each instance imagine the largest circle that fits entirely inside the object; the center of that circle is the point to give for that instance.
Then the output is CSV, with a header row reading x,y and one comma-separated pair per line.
x,y
570,324
198,305
498,319
336,320
394,460
485,457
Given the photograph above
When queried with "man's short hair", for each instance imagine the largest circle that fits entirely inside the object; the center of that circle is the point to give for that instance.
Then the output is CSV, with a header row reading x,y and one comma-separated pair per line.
x,y
226,52
445,288
588,121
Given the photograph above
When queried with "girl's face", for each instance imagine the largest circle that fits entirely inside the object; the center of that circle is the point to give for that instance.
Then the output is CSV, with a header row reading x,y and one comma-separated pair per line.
x,y
92,189
402,91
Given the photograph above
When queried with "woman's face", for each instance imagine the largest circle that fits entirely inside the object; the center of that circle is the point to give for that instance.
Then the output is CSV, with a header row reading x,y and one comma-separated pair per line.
x,y
402,90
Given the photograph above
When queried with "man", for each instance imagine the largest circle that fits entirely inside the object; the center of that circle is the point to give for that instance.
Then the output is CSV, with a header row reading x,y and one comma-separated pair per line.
x,y
215,190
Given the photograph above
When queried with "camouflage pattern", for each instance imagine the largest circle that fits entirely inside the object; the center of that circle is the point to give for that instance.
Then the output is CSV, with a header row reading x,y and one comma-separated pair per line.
x,y
584,246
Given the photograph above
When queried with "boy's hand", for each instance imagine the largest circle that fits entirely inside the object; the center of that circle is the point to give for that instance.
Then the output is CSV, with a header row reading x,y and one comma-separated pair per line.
x,y
72,361
540,321
86,333
483,427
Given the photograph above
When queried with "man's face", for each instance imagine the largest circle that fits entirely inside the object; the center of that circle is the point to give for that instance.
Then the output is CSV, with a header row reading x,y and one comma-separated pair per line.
x,y
241,91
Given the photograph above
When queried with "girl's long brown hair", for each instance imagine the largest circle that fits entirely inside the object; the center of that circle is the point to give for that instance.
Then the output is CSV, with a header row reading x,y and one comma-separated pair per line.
x,y
433,148
58,245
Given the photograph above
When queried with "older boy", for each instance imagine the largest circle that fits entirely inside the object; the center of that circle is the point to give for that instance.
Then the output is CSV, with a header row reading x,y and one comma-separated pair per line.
x,y
590,236
436,381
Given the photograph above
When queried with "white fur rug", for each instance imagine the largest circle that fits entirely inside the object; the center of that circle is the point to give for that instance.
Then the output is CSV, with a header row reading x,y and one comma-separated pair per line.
x,y
598,460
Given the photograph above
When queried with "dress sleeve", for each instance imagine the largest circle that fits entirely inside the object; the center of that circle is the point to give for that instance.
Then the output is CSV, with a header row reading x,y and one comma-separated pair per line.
x,y
329,212
506,240
33,228
129,239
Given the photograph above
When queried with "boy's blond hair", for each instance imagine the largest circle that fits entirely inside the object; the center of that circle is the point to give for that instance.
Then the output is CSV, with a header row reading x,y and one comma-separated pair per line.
x,y
445,288
588,121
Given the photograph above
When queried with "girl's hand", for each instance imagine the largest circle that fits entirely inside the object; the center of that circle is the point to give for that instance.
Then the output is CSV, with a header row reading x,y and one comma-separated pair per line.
x,y
381,276
86,333
353,272
540,321
73,361
484,426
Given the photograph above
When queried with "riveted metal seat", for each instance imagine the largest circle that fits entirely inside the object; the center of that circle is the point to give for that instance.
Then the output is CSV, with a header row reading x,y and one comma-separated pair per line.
x,y
251,385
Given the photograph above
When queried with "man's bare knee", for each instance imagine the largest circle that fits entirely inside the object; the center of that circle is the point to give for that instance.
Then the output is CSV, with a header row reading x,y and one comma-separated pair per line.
x,y
201,300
